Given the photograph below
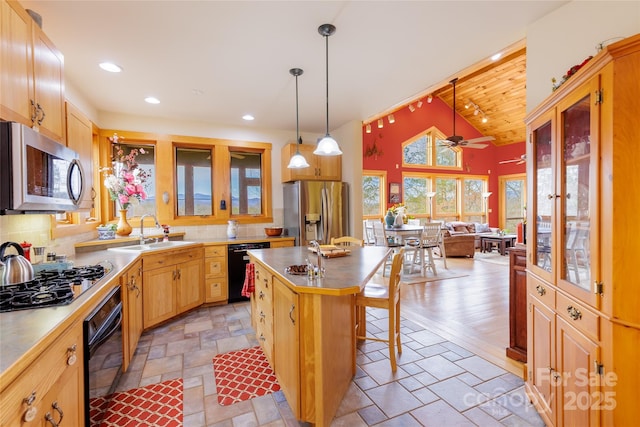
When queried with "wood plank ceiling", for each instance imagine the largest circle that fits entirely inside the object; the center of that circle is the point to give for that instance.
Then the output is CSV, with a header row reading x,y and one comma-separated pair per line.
x,y
499,90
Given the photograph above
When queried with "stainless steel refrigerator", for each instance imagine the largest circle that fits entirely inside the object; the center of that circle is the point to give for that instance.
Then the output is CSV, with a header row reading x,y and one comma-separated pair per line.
x,y
316,210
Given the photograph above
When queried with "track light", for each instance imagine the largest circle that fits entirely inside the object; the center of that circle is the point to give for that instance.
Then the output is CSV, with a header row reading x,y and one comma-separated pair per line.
x,y
429,99
412,108
477,110
380,123
419,104
391,118
367,128
484,119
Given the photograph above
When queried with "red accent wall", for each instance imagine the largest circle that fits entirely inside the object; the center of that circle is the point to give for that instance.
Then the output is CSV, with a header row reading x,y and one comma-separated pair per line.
x,y
389,139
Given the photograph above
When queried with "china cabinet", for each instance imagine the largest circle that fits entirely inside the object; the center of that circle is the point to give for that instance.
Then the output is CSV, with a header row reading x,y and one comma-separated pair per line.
x,y
583,303
32,77
321,168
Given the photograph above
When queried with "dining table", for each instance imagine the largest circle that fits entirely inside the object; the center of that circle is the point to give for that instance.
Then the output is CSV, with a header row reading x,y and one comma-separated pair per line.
x,y
404,232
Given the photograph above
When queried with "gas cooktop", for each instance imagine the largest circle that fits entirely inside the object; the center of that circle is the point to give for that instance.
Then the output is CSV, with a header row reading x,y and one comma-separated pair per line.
x,y
51,288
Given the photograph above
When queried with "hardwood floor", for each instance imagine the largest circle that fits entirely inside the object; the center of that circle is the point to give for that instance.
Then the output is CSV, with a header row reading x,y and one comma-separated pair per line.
x,y
471,311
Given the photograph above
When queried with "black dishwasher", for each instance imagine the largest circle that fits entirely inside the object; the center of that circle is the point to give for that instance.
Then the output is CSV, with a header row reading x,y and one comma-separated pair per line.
x,y
237,260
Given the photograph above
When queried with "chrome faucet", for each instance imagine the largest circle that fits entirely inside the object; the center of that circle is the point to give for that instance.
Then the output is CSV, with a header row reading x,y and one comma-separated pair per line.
x,y
143,240
315,244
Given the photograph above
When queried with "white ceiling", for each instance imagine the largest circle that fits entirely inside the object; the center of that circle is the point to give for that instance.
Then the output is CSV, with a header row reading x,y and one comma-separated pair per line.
x,y
237,54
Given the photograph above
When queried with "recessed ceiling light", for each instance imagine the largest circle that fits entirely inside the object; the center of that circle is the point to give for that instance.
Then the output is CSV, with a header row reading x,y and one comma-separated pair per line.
x,y
110,67
152,100
248,117
496,56
197,92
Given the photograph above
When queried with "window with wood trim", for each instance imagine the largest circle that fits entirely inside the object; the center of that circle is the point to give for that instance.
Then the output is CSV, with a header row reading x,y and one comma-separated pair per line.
x,y
374,184
423,150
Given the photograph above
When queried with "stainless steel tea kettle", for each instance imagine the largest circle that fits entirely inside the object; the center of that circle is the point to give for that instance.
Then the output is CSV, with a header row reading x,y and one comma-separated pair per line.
x,y
16,267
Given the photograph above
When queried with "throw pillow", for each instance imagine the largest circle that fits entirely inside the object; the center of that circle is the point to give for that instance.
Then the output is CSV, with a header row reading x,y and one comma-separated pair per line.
x,y
461,229
482,228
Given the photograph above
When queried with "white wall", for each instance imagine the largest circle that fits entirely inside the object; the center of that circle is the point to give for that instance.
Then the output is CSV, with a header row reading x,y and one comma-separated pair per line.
x,y
568,35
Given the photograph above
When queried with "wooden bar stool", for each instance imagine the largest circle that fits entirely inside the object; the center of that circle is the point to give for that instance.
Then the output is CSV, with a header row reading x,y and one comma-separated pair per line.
x,y
380,296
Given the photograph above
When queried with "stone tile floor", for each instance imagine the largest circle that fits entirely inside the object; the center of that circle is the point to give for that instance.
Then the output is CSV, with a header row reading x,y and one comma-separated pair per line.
x,y
437,382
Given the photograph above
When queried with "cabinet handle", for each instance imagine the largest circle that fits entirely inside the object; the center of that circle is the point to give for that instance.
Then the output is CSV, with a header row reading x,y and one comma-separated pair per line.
x,y
30,413
71,355
541,290
266,283
34,116
41,119
179,270
262,316
174,274
552,196
49,417
262,338
137,289
293,307
261,295
574,313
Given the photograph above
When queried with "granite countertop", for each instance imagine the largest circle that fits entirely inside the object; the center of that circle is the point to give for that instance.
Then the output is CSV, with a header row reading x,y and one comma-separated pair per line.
x,y
343,275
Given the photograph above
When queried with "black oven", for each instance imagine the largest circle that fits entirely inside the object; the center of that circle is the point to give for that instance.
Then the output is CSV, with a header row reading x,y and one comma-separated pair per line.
x,y
38,174
102,331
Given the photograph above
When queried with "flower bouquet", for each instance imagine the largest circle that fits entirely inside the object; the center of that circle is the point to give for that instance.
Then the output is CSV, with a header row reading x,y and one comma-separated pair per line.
x,y
125,179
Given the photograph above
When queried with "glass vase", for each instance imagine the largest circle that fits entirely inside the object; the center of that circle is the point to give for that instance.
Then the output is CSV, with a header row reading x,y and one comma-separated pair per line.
x,y
123,228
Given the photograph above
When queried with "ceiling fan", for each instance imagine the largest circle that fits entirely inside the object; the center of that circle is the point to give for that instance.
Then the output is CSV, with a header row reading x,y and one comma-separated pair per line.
x,y
518,160
457,140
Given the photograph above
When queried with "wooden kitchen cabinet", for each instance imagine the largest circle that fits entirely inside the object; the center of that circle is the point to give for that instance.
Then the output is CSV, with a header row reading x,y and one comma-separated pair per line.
x,y
172,283
216,283
80,139
132,321
51,386
583,301
262,310
286,339
281,243
321,168
32,77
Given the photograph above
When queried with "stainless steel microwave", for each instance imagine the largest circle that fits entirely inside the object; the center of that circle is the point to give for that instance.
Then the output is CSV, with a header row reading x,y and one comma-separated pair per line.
x,y
37,174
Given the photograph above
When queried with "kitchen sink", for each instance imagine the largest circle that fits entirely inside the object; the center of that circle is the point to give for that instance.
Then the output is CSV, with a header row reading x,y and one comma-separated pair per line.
x,y
151,246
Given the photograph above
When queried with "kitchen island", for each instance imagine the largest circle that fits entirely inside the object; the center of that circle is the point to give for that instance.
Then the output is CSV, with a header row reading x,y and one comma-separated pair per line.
x,y
306,327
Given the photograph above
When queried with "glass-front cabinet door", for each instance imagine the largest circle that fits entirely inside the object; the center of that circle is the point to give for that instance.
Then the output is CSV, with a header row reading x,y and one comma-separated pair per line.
x,y
578,120
542,200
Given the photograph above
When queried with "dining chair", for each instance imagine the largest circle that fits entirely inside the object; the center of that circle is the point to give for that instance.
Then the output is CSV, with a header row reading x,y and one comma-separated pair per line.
x,y
381,239
423,249
347,241
367,232
383,297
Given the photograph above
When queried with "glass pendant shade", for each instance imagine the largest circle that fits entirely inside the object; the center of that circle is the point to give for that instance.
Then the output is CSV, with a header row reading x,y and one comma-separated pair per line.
x,y
297,161
327,146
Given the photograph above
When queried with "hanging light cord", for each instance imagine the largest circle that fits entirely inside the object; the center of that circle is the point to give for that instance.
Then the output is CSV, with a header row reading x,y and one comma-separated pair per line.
x,y
326,39
298,140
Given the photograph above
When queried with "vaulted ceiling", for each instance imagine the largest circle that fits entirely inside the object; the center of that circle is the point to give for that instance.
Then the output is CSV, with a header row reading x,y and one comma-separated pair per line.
x,y
213,61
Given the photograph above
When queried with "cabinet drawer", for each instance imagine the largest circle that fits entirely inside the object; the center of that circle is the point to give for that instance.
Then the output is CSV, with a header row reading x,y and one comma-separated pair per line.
x,y
263,279
170,258
542,291
215,266
215,251
577,315
215,289
64,354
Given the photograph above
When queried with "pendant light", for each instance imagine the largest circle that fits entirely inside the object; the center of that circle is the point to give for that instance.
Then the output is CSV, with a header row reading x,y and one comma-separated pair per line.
x,y
327,146
297,161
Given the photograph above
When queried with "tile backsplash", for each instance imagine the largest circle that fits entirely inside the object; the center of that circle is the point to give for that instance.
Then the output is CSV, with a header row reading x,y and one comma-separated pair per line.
x,y
36,229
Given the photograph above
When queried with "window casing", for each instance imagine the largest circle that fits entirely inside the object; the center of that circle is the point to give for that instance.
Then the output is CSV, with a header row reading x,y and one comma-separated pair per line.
x,y
192,179
458,197
374,184
422,151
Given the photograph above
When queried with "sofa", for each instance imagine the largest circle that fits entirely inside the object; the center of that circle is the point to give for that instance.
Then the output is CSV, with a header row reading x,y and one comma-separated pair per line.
x,y
461,239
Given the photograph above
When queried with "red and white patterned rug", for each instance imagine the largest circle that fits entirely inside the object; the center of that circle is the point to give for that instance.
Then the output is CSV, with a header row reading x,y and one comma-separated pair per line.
x,y
243,374
153,405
